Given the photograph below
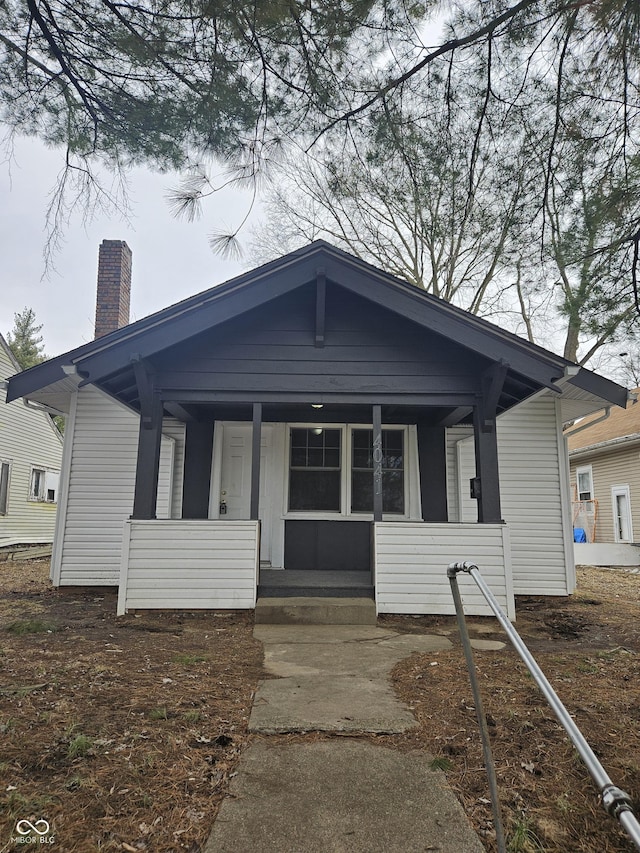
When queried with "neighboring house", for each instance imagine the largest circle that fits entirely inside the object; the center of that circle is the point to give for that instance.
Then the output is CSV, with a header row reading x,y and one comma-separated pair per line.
x,y
604,455
314,415
30,459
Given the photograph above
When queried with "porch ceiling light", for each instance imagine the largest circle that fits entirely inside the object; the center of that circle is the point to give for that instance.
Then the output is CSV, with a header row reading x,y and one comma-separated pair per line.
x,y
317,405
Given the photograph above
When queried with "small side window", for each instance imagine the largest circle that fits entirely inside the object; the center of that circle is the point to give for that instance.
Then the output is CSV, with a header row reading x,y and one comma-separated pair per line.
x,y
584,483
5,472
44,485
36,488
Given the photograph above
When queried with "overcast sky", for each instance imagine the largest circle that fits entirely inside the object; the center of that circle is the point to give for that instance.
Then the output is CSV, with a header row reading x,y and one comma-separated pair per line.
x,y
171,258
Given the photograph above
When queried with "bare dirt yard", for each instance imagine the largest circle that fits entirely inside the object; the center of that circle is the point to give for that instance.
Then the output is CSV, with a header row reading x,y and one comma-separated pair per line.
x,y
122,732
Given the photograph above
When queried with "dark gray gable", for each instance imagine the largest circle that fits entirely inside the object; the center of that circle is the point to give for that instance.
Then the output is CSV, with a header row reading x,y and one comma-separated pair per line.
x,y
365,349
107,358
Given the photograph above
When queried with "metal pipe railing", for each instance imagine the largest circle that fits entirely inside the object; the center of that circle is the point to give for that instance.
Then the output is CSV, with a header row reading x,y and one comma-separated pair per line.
x,y
615,802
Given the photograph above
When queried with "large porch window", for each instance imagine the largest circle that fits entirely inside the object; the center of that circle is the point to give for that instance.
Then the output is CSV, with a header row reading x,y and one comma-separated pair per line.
x,y
315,469
331,469
362,460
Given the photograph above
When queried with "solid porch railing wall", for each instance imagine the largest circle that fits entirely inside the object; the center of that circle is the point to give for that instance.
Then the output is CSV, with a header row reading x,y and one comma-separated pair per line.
x,y
189,564
408,560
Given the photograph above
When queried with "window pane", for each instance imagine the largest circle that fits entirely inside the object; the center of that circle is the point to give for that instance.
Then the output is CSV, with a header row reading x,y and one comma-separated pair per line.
x,y
361,438
362,491
362,459
37,484
315,437
315,457
584,485
298,457
314,476
392,471
314,490
393,491
298,438
332,458
4,487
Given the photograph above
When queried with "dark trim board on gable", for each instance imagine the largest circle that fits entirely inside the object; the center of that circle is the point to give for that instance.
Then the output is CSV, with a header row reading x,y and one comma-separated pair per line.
x,y
106,362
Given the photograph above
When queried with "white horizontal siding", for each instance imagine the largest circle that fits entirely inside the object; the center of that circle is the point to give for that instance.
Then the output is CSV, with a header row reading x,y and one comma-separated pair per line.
x,y
100,489
28,439
531,495
189,565
411,562
530,469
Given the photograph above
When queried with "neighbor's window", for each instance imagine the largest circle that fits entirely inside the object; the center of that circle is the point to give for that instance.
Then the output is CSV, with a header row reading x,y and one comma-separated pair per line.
x,y
5,469
392,470
44,485
584,482
314,469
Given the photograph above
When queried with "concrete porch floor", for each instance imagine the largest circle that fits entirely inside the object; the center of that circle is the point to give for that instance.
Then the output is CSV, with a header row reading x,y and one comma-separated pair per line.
x,y
281,583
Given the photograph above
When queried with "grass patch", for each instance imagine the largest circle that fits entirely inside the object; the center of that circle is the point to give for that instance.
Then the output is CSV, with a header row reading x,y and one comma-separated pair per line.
x,y
441,763
32,626
79,746
192,716
188,660
523,839
158,714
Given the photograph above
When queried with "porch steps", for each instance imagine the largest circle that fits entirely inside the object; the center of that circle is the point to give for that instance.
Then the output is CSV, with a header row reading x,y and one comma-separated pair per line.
x,y
308,610
288,583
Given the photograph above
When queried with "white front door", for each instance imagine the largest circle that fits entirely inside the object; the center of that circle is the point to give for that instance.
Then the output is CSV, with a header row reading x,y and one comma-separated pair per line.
x,y
235,479
622,514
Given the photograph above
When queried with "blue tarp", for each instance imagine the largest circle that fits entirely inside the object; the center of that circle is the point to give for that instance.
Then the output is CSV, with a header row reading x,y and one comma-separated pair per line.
x,y
579,534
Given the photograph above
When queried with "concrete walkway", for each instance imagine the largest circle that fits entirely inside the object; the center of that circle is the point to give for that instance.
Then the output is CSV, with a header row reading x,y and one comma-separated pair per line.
x,y
336,795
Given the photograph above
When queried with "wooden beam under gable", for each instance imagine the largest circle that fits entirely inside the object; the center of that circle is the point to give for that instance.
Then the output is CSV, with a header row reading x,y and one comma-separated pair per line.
x,y
492,384
321,307
455,416
144,384
179,412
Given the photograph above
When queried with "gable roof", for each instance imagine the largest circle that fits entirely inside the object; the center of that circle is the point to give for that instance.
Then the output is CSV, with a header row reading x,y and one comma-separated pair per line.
x,y
113,352
595,433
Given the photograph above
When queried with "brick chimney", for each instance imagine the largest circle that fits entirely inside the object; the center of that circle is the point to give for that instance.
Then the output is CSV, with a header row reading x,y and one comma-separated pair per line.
x,y
114,286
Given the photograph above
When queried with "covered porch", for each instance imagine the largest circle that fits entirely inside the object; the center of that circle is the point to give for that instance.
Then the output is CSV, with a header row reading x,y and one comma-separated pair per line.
x,y
282,497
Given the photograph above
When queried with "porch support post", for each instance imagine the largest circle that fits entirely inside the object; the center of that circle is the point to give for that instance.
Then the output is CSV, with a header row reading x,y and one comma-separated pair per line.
x,y
487,482
148,461
432,461
377,463
196,482
255,461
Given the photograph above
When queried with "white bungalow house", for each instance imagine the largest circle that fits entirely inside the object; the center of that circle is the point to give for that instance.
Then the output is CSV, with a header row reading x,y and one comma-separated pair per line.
x,y
314,424
30,459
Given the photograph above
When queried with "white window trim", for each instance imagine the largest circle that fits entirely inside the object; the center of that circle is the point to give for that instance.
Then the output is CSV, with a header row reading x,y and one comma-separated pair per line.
x,y
615,491
584,469
8,462
42,498
345,475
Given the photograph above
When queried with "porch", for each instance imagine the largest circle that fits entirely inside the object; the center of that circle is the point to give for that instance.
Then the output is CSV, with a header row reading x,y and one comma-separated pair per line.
x,y
212,564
